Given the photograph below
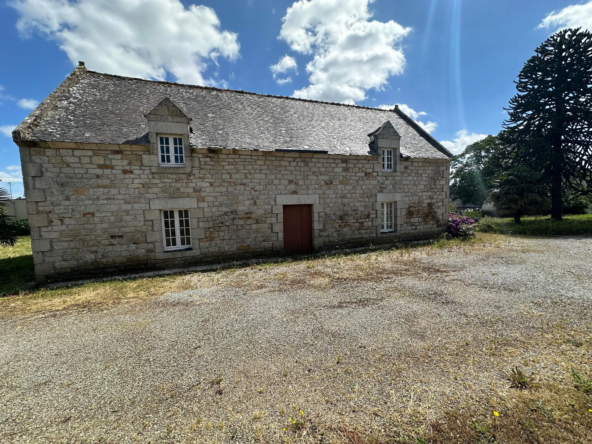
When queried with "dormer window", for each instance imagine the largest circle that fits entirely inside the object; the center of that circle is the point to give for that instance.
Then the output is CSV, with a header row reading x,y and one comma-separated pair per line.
x,y
387,160
171,152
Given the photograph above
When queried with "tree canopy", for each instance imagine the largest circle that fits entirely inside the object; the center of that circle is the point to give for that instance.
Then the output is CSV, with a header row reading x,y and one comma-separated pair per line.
x,y
550,119
518,192
474,170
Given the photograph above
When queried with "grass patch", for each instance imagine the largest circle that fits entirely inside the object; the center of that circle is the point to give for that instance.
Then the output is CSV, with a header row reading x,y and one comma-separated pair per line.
x,y
95,295
16,266
538,226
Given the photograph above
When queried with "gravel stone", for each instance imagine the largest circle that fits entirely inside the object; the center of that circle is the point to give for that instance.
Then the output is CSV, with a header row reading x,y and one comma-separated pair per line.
x,y
233,364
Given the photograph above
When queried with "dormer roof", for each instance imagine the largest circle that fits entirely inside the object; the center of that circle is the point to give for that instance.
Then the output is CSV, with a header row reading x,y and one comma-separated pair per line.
x,y
166,107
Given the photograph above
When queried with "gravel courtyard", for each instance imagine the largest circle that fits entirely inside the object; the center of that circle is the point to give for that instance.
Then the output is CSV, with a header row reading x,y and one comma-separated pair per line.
x,y
380,347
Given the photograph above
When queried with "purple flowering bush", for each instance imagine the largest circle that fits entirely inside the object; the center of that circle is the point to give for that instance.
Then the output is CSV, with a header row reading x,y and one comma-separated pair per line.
x,y
461,227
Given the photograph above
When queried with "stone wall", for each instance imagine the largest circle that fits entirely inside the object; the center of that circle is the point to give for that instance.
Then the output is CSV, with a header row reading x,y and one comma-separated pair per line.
x,y
97,208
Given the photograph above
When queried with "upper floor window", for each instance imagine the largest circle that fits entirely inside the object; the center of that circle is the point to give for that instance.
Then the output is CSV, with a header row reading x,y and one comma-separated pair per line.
x,y
387,210
171,150
176,230
387,160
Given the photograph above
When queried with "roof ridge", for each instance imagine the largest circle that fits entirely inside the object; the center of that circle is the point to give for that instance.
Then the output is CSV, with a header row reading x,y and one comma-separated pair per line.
x,y
212,88
28,125
422,132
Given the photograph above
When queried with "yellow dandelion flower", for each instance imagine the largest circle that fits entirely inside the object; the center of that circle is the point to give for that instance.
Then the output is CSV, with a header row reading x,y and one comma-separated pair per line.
x,y
293,422
496,413
284,429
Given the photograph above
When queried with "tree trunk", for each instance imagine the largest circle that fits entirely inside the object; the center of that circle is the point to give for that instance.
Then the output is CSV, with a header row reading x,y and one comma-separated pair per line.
x,y
557,173
517,216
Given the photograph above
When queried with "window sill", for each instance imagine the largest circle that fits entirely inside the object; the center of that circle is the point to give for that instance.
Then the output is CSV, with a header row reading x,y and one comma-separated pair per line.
x,y
387,232
166,165
176,250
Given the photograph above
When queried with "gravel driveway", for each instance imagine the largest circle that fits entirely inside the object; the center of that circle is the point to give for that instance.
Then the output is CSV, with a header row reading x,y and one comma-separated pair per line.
x,y
382,354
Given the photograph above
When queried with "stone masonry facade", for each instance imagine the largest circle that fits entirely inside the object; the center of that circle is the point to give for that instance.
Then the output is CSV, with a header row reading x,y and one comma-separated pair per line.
x,y
96,208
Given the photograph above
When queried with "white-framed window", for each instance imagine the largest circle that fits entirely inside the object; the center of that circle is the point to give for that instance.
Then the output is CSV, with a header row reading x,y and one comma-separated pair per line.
x,y
176,230
387,215
387,160
171,151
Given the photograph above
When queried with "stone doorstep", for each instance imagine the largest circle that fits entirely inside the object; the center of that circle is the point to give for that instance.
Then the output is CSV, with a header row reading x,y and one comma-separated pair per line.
x,y
226,265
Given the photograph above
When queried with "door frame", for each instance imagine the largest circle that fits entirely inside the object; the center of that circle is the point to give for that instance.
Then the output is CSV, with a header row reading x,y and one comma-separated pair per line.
x,y
297,199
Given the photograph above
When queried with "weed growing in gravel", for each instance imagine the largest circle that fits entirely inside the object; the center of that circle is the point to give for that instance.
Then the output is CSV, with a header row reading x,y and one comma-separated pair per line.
x,y
574,342
298,422
528,425
538,406
519,379
216,381
297,425
485,435
581,382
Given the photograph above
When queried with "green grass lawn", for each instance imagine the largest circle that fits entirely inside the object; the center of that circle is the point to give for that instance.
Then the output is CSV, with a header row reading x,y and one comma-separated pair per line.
x,y
16,266
538,226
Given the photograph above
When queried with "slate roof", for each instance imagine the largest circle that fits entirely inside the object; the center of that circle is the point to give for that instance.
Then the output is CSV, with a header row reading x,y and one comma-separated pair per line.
x,y
91,107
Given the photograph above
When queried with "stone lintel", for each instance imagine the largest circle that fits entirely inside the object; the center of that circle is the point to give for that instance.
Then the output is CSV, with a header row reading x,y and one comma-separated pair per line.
x,y
178,203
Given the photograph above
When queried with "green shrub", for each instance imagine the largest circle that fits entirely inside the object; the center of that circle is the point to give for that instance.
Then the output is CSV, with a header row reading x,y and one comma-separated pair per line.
x,y
473,214
21,227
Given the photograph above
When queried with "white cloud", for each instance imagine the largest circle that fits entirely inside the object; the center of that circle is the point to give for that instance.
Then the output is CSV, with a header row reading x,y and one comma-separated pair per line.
x,y
351,54
13,174
138,38
463,139
574,16
4,96
28,103
415,115
286,64
429,127
6,130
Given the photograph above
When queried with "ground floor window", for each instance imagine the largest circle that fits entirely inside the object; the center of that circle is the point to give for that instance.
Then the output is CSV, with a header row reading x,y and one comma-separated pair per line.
x,y
388,216
176,229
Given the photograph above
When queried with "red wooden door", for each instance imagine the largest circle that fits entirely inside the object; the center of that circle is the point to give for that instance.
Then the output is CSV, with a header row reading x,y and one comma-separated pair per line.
x,y
297,229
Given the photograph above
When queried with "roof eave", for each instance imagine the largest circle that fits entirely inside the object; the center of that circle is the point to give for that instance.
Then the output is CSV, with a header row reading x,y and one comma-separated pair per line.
x,y
422,132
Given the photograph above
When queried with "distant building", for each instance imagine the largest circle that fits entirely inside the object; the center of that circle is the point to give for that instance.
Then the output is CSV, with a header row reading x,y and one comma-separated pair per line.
x,y
461,207
16,209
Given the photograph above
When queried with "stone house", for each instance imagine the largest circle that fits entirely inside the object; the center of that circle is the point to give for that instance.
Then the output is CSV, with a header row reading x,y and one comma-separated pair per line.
x,y
125,174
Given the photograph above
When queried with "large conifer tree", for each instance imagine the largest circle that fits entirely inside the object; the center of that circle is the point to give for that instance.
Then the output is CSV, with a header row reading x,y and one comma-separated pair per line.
x,y
550,119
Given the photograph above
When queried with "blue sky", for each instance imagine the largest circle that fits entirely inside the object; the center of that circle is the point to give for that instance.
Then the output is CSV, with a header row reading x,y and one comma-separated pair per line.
x,y
451,63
